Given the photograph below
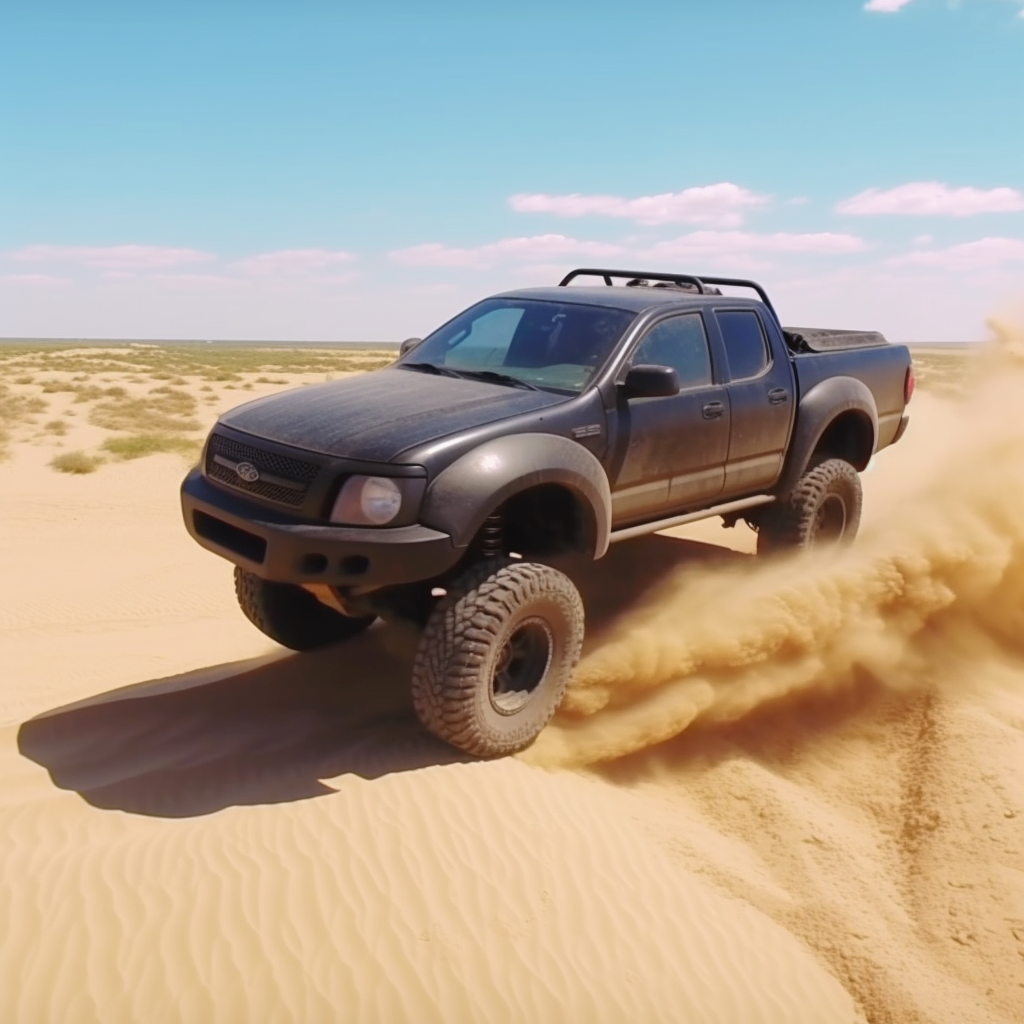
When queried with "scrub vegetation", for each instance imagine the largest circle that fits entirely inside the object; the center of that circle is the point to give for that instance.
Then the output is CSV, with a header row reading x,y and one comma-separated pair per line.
x,y
16,408
76,462
143,399
177,363
136,446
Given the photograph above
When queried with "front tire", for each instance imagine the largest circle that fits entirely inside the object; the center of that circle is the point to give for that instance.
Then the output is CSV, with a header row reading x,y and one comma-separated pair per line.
x,y
293,616
496,656
824,508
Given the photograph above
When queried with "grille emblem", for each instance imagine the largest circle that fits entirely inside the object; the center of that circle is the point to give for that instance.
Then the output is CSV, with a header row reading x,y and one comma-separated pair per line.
x,y
248,472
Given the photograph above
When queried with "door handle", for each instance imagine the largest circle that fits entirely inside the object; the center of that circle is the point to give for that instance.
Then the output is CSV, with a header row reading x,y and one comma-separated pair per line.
x,y
713,410
777,396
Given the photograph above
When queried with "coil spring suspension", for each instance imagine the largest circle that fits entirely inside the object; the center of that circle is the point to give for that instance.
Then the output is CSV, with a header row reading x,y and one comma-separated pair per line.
x,y
492,536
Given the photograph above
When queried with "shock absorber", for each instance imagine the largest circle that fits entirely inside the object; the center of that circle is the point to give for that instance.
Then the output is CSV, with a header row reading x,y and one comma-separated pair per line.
x,y
492,536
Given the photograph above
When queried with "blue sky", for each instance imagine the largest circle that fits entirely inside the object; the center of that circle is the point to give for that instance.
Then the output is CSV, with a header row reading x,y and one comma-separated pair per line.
x,y
341,171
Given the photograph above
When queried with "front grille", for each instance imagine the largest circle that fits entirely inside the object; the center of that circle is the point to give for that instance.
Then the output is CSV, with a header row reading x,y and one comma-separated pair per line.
x,y
282,479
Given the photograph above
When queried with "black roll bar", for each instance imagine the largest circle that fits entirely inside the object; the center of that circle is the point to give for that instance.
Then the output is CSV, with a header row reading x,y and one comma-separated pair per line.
x,y
698,282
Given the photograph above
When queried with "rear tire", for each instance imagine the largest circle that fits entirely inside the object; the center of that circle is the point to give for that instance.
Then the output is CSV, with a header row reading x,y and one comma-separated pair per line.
x,y
293,616
824,508
496,656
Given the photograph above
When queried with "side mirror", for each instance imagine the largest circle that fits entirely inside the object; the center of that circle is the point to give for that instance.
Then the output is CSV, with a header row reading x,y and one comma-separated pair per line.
x,y
651,382
408,345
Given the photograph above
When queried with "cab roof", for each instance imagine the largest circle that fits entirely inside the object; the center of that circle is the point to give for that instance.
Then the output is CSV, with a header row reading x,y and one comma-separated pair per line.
x,y
630,299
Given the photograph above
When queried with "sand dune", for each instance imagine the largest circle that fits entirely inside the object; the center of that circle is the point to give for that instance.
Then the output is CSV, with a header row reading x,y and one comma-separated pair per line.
x,y
476,891
777,793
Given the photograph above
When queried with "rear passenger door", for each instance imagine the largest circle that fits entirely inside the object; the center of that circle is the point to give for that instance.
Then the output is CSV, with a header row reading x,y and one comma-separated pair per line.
x,y
670,453
761,399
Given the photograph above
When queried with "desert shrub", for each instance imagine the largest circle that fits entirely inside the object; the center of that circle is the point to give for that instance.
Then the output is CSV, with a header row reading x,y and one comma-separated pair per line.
x,y
75,462
137,446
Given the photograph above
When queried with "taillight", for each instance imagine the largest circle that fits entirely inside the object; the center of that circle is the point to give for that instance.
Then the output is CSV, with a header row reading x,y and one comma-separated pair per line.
x,y
908,385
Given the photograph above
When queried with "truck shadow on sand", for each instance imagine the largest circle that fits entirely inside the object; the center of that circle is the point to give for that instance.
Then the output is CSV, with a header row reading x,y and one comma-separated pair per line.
x,y
268,730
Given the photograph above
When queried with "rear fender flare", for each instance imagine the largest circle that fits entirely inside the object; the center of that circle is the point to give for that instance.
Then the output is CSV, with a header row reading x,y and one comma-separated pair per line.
x,y
818,410
471,488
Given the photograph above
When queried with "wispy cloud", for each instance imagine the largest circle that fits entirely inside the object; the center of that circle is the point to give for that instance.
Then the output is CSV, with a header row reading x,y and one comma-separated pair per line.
x,y
985,252
885,6
934,199
113,257
32,280
728,243
721,205
546,250
189,281
535,247
291,262
892,6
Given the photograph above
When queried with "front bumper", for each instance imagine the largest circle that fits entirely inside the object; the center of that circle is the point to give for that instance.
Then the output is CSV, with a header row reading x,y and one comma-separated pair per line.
x,y
281,548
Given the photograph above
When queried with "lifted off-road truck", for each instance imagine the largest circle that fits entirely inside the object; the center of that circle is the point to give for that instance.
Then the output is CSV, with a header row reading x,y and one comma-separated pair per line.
x,y
536,425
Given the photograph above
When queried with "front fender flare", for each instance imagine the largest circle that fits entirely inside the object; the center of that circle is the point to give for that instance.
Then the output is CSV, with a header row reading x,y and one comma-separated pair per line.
x,y
461,497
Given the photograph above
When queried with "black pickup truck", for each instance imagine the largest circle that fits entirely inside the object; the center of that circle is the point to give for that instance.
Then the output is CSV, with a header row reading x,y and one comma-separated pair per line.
x,y
537,424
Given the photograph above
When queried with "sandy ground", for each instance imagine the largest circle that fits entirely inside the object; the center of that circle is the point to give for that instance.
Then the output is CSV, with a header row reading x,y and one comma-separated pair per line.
x,y
778,793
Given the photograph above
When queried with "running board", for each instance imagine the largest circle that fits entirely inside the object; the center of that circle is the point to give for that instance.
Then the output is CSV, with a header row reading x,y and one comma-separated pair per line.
x,y
690,517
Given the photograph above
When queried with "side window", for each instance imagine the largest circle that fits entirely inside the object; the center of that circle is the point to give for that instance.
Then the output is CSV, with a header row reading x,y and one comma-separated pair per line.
x,y
745,345
680,343
488,338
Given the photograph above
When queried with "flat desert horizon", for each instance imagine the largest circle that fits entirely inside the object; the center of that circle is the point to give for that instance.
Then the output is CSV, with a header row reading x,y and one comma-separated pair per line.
x,y
785,791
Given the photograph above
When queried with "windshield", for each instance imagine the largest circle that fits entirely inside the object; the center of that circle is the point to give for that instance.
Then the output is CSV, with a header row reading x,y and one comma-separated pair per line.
x,y
555,345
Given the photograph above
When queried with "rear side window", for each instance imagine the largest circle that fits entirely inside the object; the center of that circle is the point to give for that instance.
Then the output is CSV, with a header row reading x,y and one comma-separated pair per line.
x,y
680,343
745,344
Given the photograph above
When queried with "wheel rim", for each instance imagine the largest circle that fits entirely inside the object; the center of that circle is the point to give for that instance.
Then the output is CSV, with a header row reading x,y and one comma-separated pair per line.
x,y
523,662
830,519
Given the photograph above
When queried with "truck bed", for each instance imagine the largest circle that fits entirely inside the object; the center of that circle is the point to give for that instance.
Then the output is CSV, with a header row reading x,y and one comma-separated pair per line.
x,y
818,339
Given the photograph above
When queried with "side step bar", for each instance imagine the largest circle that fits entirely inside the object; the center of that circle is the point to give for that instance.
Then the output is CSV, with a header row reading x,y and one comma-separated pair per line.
x,y
690,517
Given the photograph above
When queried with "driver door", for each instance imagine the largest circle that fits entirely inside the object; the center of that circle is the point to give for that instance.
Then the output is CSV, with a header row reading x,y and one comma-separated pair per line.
x,y
671,451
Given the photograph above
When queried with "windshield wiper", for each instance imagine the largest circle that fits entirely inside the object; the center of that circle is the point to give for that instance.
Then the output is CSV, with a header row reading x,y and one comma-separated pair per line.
x,y
440,371
493,377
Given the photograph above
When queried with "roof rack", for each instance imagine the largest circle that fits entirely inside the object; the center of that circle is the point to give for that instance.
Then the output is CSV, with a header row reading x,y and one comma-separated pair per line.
x,y
680,279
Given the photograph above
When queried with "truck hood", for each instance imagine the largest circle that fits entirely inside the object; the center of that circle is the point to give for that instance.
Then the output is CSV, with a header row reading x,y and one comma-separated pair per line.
x,y
377,415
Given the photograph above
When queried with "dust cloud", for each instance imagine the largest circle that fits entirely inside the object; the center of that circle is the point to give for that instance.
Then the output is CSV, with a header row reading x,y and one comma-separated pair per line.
x,y
931,594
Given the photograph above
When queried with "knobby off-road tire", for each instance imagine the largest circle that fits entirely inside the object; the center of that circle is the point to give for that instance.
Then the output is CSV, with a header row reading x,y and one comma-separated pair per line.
x,y
496,655
292,616
825,507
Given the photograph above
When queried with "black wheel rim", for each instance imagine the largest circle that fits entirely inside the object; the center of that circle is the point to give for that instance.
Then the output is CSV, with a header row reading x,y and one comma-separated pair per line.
x,y
830,519
523,662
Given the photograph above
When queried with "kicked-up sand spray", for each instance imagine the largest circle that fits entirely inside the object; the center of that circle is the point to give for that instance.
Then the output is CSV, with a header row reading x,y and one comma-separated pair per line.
x,y
931,594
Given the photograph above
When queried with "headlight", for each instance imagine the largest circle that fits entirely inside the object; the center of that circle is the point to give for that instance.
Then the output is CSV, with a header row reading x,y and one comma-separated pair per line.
x,y
367,501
